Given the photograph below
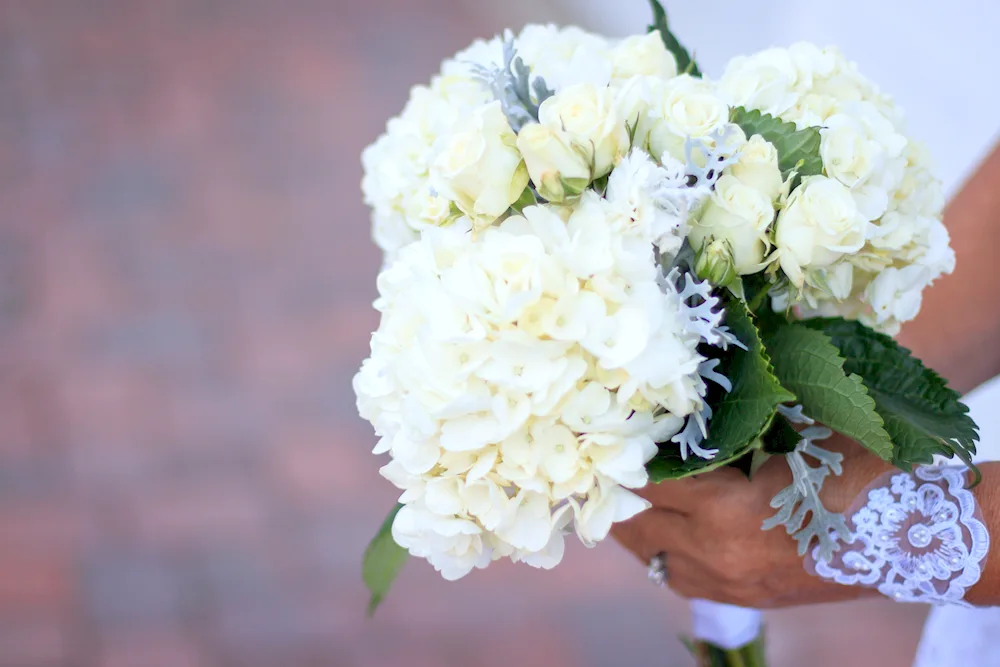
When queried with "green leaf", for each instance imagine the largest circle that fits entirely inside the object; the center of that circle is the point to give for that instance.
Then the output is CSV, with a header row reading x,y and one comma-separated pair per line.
x,y
798,150
922,414
383,560
685,63
810,365
739,416
781,438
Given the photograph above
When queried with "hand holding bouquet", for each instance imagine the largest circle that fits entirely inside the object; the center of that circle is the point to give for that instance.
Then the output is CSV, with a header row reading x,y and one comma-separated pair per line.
x,y
603,270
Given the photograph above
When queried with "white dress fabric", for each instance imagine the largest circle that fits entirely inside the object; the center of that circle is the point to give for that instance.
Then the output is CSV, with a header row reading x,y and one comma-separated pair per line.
x,y
937,60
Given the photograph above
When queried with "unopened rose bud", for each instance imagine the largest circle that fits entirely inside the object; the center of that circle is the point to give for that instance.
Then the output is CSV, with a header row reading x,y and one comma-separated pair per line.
x,y
715,263
558,170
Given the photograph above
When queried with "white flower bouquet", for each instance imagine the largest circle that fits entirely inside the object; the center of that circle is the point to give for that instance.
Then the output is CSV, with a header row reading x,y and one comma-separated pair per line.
x,y
603,269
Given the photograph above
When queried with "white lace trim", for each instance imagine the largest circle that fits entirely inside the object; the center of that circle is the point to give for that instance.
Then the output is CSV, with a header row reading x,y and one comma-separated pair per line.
x,y
918,538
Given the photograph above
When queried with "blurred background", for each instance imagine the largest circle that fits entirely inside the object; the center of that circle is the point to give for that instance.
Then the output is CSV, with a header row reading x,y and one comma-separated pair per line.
x,y
185,286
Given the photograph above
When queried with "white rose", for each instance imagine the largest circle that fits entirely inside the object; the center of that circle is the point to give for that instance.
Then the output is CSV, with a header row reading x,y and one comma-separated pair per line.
x,y
811,110
758,167
427,208
565,56
479,167
643,55
862,150
763,81
689,108
844,84
557,169
849,155
588,117
740,215
819,224
813,62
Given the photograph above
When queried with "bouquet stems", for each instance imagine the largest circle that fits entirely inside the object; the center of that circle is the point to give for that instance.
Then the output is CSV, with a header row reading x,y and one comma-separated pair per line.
x,y
711,655
726,635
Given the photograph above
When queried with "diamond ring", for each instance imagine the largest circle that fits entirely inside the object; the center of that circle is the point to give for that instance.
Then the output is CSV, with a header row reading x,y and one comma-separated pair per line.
x,y
657,572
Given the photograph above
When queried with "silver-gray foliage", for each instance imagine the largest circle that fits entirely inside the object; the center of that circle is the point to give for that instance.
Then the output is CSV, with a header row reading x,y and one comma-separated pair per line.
x,y
706,157
519,94
801,497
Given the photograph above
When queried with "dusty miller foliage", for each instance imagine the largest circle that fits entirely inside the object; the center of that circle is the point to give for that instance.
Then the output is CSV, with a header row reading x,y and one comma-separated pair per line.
x,y
801,497
519,94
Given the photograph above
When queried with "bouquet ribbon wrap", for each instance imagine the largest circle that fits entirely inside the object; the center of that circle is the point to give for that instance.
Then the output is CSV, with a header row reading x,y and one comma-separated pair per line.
x,y
726,635
724,625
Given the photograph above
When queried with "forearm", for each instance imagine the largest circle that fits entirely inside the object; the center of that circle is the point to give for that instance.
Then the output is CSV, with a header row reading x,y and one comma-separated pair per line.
x,y
987,592
958,329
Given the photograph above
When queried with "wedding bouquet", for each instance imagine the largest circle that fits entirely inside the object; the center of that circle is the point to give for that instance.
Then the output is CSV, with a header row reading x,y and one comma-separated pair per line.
x,y
603,269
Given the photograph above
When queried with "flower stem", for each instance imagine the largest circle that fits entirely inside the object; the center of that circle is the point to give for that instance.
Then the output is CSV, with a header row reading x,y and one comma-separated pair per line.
x,y
749,655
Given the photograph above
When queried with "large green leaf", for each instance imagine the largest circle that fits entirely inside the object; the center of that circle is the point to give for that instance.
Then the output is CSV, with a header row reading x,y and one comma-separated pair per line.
x,y
685,63
922,414
810,365
739,416
383,560
797,149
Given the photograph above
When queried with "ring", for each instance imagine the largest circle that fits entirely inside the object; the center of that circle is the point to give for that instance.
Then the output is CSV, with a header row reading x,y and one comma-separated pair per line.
x,y
657,572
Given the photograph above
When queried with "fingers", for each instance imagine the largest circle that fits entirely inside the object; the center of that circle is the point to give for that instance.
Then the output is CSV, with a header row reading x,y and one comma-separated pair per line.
x,y
687,578
652,532
678,495
685,495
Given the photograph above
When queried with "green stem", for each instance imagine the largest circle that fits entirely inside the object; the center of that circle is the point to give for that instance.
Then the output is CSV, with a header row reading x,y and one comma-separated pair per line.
x,y
710,655
758,300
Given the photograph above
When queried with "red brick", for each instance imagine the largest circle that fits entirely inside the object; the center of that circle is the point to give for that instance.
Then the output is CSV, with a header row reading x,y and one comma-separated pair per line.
x,y
171,647
36,582
204,512
36,642
61,525
316,467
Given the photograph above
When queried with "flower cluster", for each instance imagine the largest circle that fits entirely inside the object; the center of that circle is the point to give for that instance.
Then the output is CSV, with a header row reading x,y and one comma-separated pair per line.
x,y
522,375
864,238
544,214
446,154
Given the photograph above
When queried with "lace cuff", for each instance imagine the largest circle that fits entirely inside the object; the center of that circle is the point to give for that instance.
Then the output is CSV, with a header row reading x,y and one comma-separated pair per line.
x,y
915,537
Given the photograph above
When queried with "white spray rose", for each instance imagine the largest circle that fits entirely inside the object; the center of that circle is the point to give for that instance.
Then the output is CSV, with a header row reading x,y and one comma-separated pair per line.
x,y
588,117
764,81
812,110
643,55
479,167
819,224
689,107
558,169
565,56
739,215
758,167
427,208
812,62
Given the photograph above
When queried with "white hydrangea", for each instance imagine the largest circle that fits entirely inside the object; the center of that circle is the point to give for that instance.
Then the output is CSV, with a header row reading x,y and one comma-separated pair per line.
x,y
521,376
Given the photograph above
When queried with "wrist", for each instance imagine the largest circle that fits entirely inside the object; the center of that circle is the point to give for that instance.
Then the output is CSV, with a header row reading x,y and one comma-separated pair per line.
x,y
917,537
861,470
986,592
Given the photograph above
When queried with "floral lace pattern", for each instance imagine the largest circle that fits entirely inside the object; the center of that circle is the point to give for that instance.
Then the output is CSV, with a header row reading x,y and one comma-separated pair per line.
x,y
917,538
